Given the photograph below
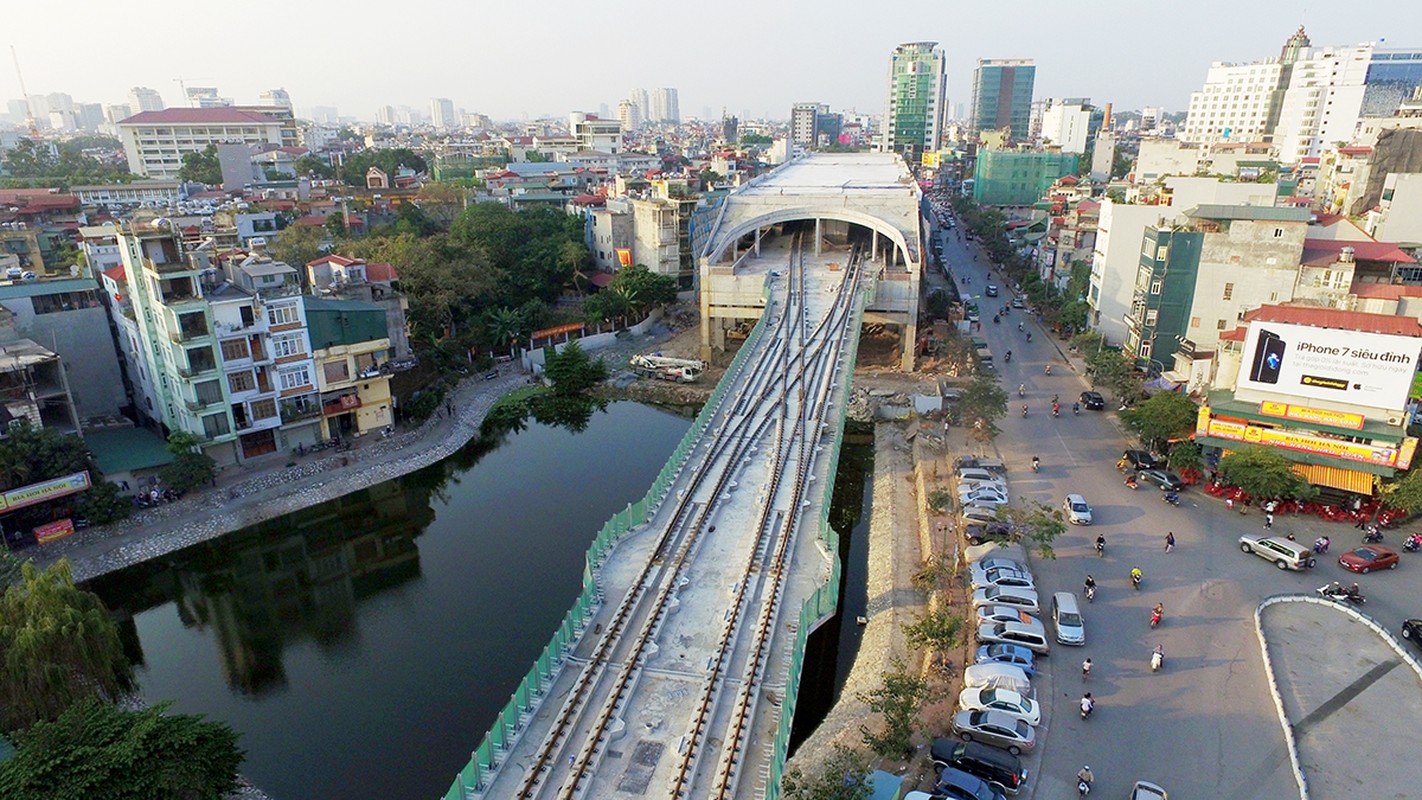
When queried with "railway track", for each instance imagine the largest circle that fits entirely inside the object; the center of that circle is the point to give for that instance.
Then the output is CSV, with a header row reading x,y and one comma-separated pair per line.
x,y
792,370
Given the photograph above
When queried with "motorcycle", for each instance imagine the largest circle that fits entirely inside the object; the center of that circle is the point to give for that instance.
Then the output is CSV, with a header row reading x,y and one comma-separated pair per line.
x,y
1157,659
996,320
1007,359
1082,788
1056,410
1024,411
1154,618
1340,594
1090,593
1087,706
1136,581
1172,498
1372,536
1413,543
1022,390
1035,465
1029,336
1132,482
1048,369
1101,548
1075,409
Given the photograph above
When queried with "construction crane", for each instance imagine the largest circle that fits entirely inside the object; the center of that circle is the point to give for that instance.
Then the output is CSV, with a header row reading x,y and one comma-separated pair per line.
x,y
681,370
29,109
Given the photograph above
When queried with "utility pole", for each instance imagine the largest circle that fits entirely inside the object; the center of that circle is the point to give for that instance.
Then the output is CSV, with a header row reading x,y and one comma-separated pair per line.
x,y
29,109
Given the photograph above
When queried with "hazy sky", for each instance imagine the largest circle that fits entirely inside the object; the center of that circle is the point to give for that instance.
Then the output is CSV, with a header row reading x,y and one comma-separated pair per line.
x,y
510,59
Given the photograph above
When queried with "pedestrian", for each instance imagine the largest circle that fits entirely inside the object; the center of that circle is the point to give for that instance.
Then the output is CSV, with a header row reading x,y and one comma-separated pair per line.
x,y
1291,538
449,407
1086,669
1268,520
1229,503
1169,541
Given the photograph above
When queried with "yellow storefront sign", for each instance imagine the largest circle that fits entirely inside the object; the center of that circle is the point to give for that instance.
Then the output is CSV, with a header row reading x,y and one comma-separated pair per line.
x,y
1315,416
1304,443
931,159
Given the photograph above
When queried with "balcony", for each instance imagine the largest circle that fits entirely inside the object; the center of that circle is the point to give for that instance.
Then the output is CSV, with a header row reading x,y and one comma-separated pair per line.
x,y
299,408
340,405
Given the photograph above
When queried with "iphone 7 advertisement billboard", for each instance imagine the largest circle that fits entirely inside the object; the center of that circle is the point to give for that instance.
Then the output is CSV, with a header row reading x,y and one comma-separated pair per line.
x,y
1363,369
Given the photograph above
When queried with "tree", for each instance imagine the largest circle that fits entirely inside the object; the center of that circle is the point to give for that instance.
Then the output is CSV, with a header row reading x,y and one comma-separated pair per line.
x,y
191,467
298,245
983,403
573,372
938,630
1186,456
1404,493
1263,472
9,569
201,166
1114,371
1162,417
311,165
57,646
897,701
643,288
442,202
355,166
335,226
843,776
1037,524
100,752
504,326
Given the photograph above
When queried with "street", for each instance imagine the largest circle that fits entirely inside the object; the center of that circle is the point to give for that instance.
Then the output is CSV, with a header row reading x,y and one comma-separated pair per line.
x,y
1205,726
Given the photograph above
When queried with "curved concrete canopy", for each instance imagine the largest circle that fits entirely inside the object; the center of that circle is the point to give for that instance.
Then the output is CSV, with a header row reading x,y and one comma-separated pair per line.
x,y
717,247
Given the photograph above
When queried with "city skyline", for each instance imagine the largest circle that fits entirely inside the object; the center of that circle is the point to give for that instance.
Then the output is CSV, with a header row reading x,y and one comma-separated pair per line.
x,y
809,47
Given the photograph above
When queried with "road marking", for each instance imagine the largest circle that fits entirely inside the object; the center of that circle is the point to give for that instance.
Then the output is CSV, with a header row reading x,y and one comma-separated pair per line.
x,y
1345,696
1066,449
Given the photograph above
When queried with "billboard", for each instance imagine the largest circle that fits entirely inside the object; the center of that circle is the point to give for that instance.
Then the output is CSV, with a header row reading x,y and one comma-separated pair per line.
x,y
45,490
1362,369
1382,455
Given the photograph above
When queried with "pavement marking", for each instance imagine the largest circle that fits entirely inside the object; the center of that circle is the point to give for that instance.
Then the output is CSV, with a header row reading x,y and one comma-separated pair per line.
x,y
1345,696
1066,449
1248,788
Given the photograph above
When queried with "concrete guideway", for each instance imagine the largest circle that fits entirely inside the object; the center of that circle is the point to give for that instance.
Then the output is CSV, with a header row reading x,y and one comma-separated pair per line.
x,y
682,687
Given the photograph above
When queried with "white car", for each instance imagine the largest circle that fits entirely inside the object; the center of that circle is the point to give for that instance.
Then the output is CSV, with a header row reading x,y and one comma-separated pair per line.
x,y
998,676
1004,577
995,562
1015,596
1078,512
1145,790
978,474
987,614
976,513
1005,700
982,497
971,485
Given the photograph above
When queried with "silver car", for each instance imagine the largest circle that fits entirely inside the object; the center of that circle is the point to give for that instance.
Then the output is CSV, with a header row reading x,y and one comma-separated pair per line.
x,y
995,728
1284,553
1014,596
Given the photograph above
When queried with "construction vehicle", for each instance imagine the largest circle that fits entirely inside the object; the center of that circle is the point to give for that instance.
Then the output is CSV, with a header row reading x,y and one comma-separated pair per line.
x,y
682,370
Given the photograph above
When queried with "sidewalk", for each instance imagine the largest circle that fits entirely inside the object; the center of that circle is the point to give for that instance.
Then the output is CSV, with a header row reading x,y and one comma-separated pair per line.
x,y
247,496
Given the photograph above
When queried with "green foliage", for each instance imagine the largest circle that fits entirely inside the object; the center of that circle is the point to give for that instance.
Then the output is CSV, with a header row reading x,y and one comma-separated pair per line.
x,y
57,646
312,165
10,565
96,751
103,503
573,372
30,455
298,245
937,630
938,303
844,776
1185,455
201,166
748,137
1088,342
355,166
939,498
1263,472
982,404
897,702
335,226
1404,493
1038,524
191,467
1162,417
69,165
1114,371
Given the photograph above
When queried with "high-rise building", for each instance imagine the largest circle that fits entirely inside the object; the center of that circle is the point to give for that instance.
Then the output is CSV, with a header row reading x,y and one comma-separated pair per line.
x,y
629,115
275,97
1066,123
1236,103
917,82
442,114
325,115
643,103
155,141
89,116
803,123
665,106
385,115
206,97
1002,96
142,98
730,129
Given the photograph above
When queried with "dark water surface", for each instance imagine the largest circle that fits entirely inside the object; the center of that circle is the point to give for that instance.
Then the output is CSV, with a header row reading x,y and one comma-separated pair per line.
x,y
363,646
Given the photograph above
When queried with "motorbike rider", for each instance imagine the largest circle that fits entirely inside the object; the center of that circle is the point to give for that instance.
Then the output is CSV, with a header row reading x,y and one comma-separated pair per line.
x,y
1019,325
1008,356
1136,576
1035,463
1157,656
1156,613
1076,408
1022,390
1087,704
1101,543
1029,336
1049,369
1085,775
1024,410
1354,592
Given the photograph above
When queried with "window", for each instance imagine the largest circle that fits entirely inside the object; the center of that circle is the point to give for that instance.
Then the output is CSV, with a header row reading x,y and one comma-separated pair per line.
x,y
1228,291
1278,232
209,392
215,425
294,378
1145,350
235,350
242,381
336,371
263,409
1151,316
288,345
1220,324
1156,285
282,315
1194,322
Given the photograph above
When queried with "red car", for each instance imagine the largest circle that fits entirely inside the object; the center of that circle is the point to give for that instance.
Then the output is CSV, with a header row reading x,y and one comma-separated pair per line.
x,y
1366,559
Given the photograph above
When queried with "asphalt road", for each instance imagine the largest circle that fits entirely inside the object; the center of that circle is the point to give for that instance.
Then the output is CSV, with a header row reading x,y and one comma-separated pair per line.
x,y
1204,726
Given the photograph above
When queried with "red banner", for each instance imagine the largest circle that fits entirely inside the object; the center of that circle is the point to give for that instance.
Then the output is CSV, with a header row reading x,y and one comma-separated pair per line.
x,y
53,531
573,327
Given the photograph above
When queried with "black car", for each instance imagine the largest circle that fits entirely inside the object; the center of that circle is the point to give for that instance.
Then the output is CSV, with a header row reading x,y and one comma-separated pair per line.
x,y
1164,478
1140,459
999,768
1412,631
1093,401
991,532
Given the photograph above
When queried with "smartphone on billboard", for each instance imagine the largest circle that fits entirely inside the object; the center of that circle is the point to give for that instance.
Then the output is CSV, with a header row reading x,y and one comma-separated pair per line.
x,y
1268,358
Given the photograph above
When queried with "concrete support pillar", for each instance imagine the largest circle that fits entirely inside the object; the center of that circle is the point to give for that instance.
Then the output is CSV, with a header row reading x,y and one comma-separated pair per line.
x,y
818,236
719,333
874,247
705,297
910,337
758,231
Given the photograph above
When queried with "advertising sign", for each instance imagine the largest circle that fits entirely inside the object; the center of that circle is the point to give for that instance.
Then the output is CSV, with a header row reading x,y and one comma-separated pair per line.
x,y
931,159
47,490
1315,416
1365,369
51,531
1304,443
624,256
572,327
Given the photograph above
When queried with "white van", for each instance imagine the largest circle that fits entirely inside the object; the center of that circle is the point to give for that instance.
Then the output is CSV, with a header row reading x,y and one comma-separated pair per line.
x,y
1066,618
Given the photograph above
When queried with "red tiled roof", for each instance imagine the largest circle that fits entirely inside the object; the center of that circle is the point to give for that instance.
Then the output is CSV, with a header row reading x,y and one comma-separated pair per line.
x,y
1354,151
1069,180
340,261
1236,335
314,219
116,274
1088,205
588,200
600,279
1325,252
1317,317
381,272
198,116
1385,291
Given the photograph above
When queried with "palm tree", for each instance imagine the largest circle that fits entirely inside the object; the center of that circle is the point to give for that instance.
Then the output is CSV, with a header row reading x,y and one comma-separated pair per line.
x,y
505,326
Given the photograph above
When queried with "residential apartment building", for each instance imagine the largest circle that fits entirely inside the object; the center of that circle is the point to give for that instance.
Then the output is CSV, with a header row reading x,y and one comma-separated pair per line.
x,y
350,350
803,123
34,386
629,115
442,114
917,84
335,277
137,193
595,133
219,343
665,106
1067,124
1002,96
142,98
1238,103
155,141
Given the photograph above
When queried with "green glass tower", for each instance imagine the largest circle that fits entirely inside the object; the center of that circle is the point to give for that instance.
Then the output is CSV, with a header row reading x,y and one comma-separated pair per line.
x,y
1002,95
916,85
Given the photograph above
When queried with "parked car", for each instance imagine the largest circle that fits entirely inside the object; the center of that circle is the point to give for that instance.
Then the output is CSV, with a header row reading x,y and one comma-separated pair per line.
x,y
1031,635
968,487
1140,459
1165,479
1093,401
986,614
1015,596
1368,558
1005,700
992,465
982,514
955,784
1412,631
1078,512
1004,577
996,562
1005,676
982,497
978,474
1284,553
994,728
1014,654
1003,770
1145,790
991,532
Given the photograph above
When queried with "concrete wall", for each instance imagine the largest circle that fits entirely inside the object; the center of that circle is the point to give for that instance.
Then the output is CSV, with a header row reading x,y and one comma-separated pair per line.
x,y
1403,221
1187,192
1114,263
1160,157
1254,264
81,338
